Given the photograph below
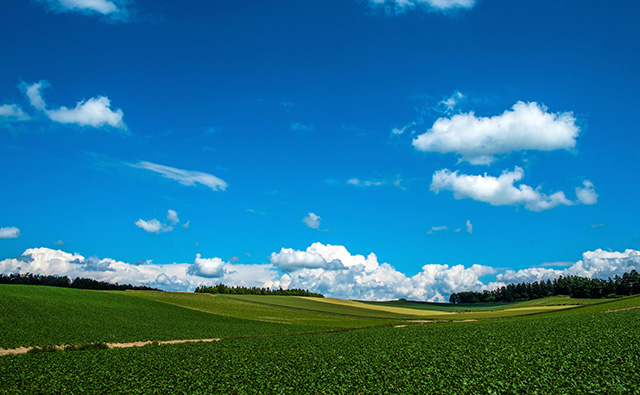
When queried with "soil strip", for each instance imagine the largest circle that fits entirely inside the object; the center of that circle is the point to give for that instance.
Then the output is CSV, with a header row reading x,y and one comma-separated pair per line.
x,y
24,350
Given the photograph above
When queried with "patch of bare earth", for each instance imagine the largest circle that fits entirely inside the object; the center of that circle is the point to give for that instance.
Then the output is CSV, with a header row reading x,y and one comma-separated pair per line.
x,y
626,308
24,350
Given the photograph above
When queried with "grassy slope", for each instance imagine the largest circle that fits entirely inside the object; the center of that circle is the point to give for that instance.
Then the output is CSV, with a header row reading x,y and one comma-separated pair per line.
x,y
37,315
276,309
580,350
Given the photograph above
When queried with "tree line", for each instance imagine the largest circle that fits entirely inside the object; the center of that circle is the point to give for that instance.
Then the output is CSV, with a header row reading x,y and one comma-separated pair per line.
x,y
239,290
573,286
66,282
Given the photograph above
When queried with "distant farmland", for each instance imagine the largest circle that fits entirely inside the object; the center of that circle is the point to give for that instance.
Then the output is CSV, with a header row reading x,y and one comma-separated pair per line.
x,y
283,344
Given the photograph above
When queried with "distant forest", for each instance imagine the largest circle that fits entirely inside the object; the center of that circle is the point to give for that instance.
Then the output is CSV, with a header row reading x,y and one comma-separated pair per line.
x,y
223,289
573,286
65,282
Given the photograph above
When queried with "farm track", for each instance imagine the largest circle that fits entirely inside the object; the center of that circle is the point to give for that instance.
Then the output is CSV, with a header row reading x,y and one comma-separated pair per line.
x,y
24,350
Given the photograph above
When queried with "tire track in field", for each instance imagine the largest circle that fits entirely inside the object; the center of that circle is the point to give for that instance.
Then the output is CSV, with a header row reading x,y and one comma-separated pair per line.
x,y
24,350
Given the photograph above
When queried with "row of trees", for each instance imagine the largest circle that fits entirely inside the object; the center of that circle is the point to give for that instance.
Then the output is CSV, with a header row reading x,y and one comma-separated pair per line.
x,y
66,282
573,286
223,289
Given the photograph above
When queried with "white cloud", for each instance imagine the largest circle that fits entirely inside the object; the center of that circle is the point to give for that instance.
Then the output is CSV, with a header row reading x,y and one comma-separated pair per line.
x,y
172,217
498,191
450,103
469,227
207,267
184,177
527,126
153,226
398,6
113,10
100,6
329,269
435,229
33,94
312,221
594,264
186,224
365,183
333,271
9,233
13,112
171,277
95,112
587,195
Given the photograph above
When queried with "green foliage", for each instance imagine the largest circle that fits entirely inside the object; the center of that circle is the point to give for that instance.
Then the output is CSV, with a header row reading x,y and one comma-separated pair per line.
x,y
239,290
576,351
573,286
37,316
65,282
276,309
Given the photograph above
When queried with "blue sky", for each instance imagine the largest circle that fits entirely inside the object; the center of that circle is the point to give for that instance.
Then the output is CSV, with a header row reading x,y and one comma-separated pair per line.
x,y
428,132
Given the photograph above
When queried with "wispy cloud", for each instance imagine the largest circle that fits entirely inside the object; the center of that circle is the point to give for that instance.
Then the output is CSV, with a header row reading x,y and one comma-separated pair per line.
x,y
400,6
301,127
113,10
436,229
527,126
13,112
184,177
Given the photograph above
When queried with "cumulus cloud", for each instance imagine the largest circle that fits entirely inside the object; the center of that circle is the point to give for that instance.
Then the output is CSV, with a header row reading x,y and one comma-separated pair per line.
x,y
497,191
469,227
587,195
527,126
184,177
9,233
312,221
329,269
113,10
171,277
399,6
95,112
594,264
207,267
333,271
153,226
13,112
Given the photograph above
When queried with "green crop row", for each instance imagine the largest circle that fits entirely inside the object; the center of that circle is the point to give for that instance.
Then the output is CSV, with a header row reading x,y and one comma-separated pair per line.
x,y
570,352
37,316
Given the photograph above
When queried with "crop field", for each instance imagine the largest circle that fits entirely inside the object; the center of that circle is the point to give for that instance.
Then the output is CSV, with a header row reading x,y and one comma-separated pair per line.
x,y
282,345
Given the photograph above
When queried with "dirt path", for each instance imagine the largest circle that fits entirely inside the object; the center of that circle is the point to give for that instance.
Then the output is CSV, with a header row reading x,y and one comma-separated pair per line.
x,y
24,350
626,308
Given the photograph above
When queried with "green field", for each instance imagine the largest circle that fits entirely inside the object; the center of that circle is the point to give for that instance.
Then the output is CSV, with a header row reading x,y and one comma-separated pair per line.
x,y
273,344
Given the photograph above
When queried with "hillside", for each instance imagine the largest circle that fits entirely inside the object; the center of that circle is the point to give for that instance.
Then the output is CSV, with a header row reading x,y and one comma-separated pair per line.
x,y
273,344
